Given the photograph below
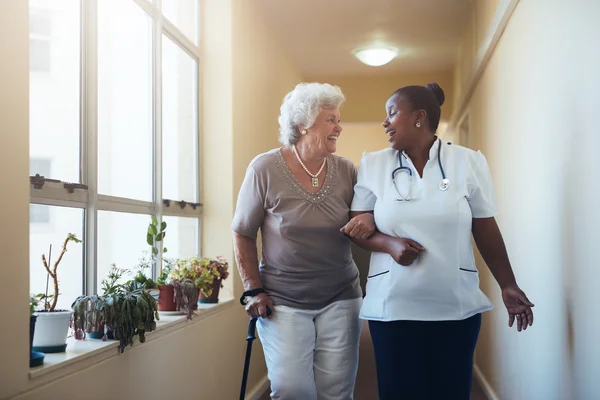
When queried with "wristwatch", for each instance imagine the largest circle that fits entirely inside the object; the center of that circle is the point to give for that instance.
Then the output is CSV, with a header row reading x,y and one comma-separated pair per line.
x,y
250,293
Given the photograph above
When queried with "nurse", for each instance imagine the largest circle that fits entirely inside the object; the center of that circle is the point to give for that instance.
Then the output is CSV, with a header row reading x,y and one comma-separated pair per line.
x,y
423,300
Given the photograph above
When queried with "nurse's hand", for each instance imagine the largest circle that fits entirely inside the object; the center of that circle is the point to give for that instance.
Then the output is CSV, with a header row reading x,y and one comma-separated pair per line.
x,y
403,250
257,306
518,307
360,227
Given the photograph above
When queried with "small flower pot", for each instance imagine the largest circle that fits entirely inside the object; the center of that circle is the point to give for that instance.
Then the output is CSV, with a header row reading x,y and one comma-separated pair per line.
x,y
166,298
214,296
51,330
35,357
100,335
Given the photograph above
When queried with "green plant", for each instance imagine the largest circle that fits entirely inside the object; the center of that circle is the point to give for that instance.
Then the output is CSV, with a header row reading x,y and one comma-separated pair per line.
x,y
130,312
33,303
51,300
89,311
156,234
123,309
140,278
163,278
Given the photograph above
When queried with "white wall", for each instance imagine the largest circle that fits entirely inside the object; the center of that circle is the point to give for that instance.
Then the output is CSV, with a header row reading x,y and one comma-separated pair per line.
x,y
534,114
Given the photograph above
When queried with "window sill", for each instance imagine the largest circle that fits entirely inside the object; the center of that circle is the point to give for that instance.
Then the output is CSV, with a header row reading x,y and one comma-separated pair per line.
x,y
85,353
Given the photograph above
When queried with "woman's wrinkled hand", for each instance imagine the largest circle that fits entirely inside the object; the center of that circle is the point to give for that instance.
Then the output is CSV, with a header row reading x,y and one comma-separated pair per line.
x,y
257,306
404,251
360,227
518,306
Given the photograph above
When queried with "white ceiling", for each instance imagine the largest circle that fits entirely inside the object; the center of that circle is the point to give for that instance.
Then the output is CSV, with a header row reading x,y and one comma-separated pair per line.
x,y
321,34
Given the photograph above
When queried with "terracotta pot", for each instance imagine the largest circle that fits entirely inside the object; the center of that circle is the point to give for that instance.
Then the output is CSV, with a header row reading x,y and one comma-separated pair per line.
x,y
214,296
166,298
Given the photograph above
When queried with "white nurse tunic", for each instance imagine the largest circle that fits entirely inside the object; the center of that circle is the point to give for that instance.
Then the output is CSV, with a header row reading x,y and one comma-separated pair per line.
x,y
443,282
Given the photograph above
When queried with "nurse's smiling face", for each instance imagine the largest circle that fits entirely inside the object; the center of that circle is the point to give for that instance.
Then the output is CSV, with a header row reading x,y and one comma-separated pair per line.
x,y
400,122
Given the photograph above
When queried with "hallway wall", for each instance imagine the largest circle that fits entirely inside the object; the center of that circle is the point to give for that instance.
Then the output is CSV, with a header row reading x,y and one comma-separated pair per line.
x,y
533,114
366,95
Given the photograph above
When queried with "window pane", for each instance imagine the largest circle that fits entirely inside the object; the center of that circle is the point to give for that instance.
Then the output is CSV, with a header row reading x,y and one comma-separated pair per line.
x,y
54,74
124,100
184,15
60,221
182,238
180,133
121,240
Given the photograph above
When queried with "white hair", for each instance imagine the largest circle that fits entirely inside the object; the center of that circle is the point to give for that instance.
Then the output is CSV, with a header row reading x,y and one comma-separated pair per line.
x,y
301,106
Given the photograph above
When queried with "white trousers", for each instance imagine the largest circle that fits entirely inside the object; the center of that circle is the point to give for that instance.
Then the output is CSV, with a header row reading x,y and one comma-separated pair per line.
x,y
312,354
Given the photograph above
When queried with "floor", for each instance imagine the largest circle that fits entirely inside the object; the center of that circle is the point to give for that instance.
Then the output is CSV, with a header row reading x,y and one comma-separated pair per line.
x,y
366,380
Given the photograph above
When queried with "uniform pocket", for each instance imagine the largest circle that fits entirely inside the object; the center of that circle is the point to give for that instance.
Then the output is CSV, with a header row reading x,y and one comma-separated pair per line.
x,y
468,270
375,275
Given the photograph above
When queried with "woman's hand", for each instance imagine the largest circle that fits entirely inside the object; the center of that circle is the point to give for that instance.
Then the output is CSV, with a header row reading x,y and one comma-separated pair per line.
x,y
518,306
403,250
257,306
360,227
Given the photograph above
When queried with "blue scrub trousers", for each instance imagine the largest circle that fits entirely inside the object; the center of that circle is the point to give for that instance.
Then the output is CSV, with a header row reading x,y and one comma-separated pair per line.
x,y
425,360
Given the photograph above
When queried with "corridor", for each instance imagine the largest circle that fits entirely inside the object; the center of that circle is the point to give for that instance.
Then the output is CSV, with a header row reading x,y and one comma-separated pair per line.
x,y
115,112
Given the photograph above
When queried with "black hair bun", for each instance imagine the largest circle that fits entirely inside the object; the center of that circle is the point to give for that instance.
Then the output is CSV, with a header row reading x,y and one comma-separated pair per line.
x,y
437,91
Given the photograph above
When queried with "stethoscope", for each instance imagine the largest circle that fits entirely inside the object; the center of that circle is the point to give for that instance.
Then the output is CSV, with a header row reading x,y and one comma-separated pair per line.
x,y
444,184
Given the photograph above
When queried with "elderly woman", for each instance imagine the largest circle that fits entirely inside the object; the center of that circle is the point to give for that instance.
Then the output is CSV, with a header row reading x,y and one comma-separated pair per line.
x,y
423,300
299,196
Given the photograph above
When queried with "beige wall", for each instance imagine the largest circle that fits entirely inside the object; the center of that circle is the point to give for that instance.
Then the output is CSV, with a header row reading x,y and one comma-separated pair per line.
x,y
474,35
359,137
534,116
241,105
366,96
14,206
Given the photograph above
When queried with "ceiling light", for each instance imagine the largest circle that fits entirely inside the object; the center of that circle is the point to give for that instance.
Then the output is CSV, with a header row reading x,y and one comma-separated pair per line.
x,y
376,56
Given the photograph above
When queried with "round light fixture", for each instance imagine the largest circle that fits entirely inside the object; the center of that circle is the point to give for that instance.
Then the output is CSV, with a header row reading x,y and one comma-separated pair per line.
x,y
376,56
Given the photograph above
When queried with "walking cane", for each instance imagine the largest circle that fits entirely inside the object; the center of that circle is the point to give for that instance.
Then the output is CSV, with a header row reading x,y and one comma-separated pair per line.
x,y
249,339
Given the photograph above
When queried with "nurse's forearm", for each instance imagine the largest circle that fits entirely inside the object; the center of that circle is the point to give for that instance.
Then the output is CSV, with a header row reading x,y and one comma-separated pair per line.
x,y
491,246
246,256
378,242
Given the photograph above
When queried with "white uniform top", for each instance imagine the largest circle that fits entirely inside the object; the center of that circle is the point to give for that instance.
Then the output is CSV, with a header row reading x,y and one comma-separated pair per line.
x,y
443,282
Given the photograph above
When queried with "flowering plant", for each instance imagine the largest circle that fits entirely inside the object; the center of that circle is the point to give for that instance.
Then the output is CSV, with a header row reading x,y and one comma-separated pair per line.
x,y
203,272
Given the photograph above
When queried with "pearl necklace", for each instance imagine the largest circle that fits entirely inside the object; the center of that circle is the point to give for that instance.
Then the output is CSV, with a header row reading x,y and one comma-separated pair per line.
x,y
315,178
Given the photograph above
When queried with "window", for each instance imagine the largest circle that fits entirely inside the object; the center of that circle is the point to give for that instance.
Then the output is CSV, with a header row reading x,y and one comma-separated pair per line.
x,y
184,14
40,29
39,214
114,135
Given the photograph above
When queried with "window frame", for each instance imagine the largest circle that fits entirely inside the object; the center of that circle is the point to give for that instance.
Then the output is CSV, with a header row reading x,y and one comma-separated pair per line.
x,y
85,195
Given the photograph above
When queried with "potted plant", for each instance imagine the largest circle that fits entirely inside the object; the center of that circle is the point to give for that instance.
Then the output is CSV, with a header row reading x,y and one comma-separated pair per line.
x,y
219,270
166,293
166,290
129,311
190,278
35,357
186,278
52,325
141,280
89,317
